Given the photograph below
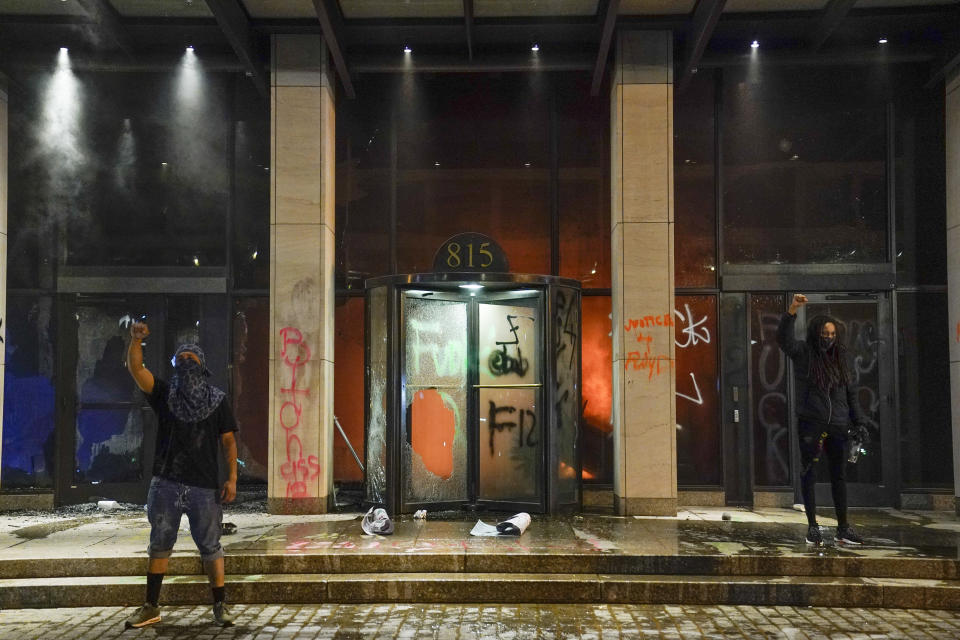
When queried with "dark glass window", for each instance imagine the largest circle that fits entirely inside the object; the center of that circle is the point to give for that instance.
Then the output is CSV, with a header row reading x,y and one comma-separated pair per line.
x,y
473,155
124,168
250,377
699,440
348,390
28,393
695,210
251,190
924,352
363,183
583,135
768,379
597,374
920,182
804,166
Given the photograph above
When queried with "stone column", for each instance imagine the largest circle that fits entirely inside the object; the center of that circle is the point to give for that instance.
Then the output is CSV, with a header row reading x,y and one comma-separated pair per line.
x,y
952,109
4,181
302,218
641,181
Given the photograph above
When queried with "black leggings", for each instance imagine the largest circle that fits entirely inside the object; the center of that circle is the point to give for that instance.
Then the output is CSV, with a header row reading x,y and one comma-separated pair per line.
x,y
834,448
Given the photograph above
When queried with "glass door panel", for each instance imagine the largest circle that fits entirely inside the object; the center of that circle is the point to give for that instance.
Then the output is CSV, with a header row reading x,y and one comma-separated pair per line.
x,y
863,324
107,422
434,444
510,442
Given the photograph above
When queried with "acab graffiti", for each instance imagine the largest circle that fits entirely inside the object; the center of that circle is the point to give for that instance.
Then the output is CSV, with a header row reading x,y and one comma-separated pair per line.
x,y
296,469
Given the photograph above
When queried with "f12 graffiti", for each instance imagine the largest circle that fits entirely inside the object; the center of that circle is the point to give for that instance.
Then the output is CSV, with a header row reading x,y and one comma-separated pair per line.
x,y
524,417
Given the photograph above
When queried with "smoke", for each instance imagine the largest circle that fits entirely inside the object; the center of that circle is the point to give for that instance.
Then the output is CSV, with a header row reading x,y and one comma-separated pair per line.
x,y
124,170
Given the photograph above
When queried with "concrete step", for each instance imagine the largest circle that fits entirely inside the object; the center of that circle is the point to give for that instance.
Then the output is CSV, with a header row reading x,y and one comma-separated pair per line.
x,y
849,565
487,588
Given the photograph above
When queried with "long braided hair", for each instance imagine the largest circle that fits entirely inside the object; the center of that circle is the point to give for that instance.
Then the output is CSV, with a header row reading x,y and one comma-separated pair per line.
x,y
828,368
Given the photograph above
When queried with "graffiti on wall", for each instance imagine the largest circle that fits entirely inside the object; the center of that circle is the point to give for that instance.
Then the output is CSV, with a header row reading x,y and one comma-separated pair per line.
x,y
297,469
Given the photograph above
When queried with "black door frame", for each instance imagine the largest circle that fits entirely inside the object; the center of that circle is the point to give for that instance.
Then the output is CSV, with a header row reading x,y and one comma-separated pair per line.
x,y
69,405
472,422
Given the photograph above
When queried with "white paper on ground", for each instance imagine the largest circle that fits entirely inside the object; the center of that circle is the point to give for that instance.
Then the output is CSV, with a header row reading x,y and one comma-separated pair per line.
x,y
514,526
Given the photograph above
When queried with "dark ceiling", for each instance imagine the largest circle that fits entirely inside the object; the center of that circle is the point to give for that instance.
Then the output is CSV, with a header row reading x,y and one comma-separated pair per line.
x,y
474,35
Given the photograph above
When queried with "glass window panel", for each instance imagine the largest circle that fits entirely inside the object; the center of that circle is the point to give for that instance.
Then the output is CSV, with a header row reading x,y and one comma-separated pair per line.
x,y
583,144
804,157
925,433
597,370
858,330
28,394
109,424
435,396
376,380
249,375
510,444
694,173
473,155
508,344
251,184
348,387
771,425
109,445
363,189
699,439
920,173
566,349
199,319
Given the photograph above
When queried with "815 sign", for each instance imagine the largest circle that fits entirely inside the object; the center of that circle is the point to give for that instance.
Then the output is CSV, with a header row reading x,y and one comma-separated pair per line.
x,y
471,252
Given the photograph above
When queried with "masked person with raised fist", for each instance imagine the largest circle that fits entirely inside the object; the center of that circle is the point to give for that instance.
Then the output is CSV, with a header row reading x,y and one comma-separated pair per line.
x,y
826,408
194,420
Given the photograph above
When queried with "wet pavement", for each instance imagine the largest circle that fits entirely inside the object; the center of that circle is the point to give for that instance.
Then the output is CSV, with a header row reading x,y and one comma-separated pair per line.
x,y
693,533
481,622
911,559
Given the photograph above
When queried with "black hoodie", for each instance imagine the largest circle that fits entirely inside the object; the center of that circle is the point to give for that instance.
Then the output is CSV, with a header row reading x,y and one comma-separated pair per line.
x,y
839,406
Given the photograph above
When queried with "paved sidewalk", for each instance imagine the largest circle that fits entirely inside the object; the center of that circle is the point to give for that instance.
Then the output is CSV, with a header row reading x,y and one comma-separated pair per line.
x,y
695,532
449,622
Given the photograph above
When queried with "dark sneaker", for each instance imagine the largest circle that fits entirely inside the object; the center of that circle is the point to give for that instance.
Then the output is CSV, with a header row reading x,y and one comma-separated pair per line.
x,y
222,615
813,535
145,615
847,535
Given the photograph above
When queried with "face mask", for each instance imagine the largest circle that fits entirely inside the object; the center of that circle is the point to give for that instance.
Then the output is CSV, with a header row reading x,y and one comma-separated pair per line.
x,y
187,366
826,343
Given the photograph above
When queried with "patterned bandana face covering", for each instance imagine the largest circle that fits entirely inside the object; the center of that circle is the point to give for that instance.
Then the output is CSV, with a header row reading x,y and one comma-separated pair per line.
x,y
191,397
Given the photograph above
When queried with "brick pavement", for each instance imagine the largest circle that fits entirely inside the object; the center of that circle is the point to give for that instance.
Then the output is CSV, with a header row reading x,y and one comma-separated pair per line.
x,y
450,622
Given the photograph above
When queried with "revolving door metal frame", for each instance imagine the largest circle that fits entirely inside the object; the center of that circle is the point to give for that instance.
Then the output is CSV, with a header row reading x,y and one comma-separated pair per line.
x,y
556,494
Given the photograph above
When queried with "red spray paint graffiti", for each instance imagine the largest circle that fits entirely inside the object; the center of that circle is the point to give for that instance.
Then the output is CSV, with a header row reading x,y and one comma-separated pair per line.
x,y
296,470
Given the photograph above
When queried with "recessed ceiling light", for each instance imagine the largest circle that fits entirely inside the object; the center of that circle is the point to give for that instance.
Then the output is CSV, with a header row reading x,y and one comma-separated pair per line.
x,y
535,47
882,41
190,48
63,49
407,49
755,44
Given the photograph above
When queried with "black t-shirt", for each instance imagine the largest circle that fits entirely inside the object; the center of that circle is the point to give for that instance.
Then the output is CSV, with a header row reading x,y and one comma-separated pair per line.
x,y
188,452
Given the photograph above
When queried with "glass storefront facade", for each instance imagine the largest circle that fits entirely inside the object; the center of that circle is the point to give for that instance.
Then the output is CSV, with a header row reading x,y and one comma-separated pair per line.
x,y
782,175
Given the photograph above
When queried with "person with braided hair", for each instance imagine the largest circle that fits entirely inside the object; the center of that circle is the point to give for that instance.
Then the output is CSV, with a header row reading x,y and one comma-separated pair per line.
x,y
826,408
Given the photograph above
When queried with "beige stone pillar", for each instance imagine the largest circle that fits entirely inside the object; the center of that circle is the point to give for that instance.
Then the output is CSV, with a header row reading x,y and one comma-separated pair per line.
x,y
953,262
302,218
4,181
641,142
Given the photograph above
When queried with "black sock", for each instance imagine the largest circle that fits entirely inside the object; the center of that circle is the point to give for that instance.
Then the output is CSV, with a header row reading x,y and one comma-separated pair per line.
x,y
154,581
219,594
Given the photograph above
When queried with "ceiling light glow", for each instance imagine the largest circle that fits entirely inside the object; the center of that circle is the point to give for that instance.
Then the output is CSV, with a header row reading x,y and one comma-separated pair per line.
x,y
535,47
755,44
407,49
